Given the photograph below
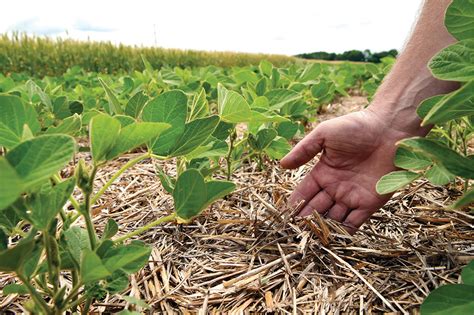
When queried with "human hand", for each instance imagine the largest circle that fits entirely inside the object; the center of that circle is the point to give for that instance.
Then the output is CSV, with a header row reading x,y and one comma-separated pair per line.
x,y
357,149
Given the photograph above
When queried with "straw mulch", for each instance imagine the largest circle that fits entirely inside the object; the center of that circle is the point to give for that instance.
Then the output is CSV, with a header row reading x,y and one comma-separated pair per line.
x,y
247,253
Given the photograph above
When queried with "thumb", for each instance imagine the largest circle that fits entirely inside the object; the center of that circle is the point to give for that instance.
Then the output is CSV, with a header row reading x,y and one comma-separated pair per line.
x,y
305,150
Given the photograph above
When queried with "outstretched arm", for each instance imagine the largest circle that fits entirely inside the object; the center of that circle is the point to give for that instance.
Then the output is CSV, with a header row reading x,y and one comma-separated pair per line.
x,y
359,148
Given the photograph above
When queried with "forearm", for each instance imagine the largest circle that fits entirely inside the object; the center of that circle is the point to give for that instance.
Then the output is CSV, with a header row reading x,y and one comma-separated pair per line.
x,y
410,81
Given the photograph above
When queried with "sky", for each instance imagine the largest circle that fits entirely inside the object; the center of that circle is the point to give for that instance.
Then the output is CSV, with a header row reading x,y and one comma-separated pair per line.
x,y
258,26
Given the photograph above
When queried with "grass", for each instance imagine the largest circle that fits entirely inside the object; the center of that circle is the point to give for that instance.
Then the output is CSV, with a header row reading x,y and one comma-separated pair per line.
x,y
41,56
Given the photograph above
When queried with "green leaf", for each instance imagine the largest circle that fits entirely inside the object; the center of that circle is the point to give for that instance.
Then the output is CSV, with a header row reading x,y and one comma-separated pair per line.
x,y
117,282
320,90
167,181
310,72
439,153
232,106
217,148
169,107
278,148
407,159
425,106
15,288
135,135
70,126
129,258
453,299
125,120
47,203
438,175
467,274
195,133
265,68
114,104
465,199
103,133
189,194
11,186
9,219
217,189
12,259
280,97
257,117
455,62
92,268
40,158
394,181
263,139
455,105
287,129
261,87
111,228
14,116
199,106
76,240
135,104
460,19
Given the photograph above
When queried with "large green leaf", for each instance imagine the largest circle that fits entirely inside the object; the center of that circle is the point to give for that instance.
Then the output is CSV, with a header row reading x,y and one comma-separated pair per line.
x,y
460,19
134,135
38,159
439,153
192,194
407,159
280,97
217,189
199,106
455,62
12,259
467,274
114,104
262,139
232,106
278,148
129,258
11,185
47,203
103,133
189,194
171,108
70,126
438,175
135,104
92,268
455,105
452,299
425,106
310,72
394,181
14,115
195,133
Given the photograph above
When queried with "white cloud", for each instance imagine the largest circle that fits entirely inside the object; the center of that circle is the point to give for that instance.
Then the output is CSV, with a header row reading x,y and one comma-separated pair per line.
x,y
286,27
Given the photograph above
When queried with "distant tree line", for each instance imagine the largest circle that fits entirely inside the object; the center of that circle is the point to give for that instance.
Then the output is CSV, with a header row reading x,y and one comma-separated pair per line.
x,y
351,55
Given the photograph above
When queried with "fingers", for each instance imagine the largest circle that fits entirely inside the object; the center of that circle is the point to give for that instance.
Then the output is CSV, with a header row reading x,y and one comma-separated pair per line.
x,y
305,150
305,191
321,203
355,219
338,212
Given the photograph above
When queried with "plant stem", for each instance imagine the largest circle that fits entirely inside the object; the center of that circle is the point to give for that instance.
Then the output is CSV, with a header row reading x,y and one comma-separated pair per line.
x,y
85,310
119,172
229,155
35,295
89,225
145,228
52,269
